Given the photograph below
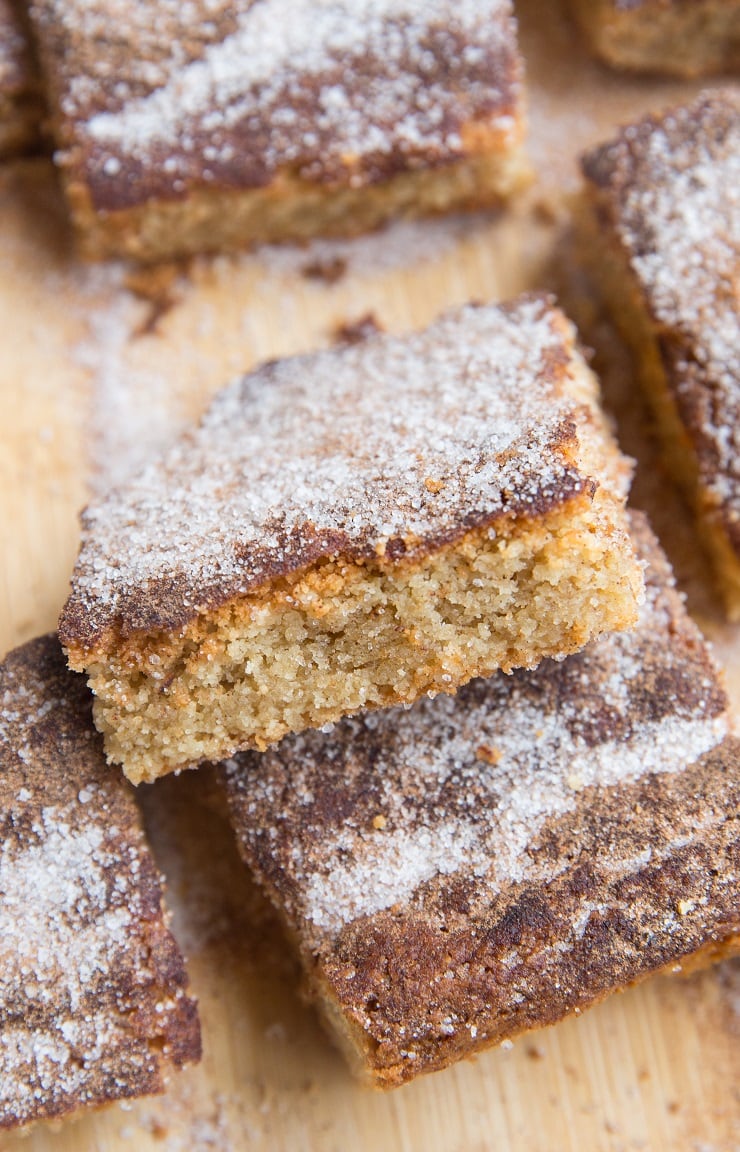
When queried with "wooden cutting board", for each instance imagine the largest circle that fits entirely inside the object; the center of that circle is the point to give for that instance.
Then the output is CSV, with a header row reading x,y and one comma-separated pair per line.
x,y
97,368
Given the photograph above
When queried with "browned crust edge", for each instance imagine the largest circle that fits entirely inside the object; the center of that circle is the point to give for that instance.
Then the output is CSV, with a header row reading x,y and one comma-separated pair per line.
x,y
353,1042
657,356
619,946
290,209
155,613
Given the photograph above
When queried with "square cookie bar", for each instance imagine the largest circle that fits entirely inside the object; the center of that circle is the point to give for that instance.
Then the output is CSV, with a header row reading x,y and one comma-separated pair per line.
x,y
214,124
483,864
93,1004
21,102
678,37
353,529
662,236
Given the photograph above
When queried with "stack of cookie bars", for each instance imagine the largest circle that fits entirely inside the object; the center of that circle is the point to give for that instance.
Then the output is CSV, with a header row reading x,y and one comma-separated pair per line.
x,y
473,747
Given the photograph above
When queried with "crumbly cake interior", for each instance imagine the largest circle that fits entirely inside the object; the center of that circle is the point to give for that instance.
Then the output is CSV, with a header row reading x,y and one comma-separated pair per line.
x,y
482,864
345,637
291,209
679,37
282,112
352,529
92,985
663,239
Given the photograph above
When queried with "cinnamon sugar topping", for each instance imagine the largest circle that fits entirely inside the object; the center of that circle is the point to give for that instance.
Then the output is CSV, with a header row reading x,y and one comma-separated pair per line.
x,y
209,92
598,843
92,1004
673,187
631,705
332,453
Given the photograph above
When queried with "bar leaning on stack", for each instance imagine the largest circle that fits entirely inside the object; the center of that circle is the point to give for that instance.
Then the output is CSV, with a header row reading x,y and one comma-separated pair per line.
x,y
355,529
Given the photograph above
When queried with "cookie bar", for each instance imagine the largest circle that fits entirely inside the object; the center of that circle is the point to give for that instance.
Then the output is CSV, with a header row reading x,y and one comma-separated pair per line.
x,y
662,234
212,125
484,864
677,37
21,102
353,529
93,1004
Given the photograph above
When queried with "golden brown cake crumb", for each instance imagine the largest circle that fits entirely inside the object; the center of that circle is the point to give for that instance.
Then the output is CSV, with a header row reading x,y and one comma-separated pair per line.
x,y
498,893
93,1004
211,125
663,238
352,529
678,37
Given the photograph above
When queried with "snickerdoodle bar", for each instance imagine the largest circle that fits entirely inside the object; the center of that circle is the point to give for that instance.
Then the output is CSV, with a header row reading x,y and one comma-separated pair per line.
x,y
483,864
354,529
661,233
215,124
93,1002
677,37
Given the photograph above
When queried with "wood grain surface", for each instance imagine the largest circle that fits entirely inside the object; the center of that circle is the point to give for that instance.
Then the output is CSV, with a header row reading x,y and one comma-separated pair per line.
x,y
97,368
